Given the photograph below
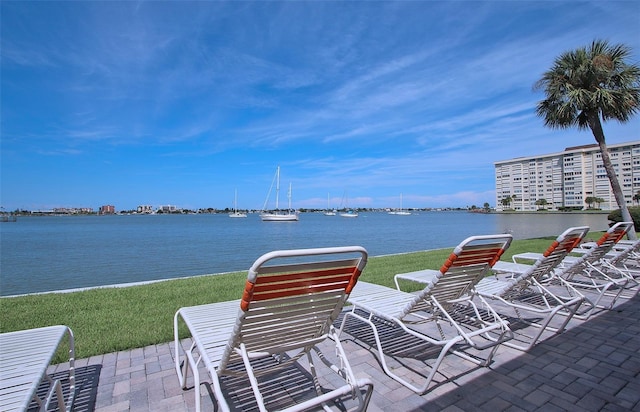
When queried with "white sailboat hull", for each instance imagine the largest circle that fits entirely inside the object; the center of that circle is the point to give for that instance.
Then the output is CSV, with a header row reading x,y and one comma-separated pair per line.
x,y
279,217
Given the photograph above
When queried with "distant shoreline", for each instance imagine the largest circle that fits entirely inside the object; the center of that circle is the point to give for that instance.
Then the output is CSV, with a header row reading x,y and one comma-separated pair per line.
x,y
313,211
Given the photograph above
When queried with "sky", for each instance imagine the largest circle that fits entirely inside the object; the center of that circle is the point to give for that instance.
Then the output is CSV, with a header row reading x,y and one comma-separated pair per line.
x,y
360,102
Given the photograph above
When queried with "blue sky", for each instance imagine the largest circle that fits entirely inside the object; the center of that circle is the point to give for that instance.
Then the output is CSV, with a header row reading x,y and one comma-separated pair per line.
x,y
130,103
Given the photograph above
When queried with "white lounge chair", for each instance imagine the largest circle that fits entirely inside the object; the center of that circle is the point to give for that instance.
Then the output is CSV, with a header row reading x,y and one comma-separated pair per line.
x,y
24,358
525,291
442,315
288,307
622,260
633,249
625,258
588,275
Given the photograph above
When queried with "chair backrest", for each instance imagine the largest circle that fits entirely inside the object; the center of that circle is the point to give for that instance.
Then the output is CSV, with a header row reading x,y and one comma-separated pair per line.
x,y
603,246
291,298
469,262
628,252
552,257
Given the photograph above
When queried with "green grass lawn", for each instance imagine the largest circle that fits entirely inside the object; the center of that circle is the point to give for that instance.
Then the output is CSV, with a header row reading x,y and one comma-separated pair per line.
x,y
107,320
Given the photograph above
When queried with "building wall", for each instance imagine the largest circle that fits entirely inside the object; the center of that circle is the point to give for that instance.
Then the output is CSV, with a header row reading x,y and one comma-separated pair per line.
x,y
567,178
145,209
107,210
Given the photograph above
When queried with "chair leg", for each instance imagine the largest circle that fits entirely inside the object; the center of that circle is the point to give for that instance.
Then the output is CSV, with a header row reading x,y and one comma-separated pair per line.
x,y
56,388
421,389
601,291
56,385
196,376
252,378
188,361
567,310
345,371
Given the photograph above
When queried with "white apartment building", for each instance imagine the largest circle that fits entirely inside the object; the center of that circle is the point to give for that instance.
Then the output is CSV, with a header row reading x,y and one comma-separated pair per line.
x,y
168,209
567,178
145,209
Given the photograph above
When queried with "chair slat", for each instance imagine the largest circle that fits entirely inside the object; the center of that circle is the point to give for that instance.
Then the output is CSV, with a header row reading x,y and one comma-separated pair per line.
x,y
289,303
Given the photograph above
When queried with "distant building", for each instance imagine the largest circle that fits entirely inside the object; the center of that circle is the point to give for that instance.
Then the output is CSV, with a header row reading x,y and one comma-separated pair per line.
x,y
145,209
566,179
168,209
107,210
71,210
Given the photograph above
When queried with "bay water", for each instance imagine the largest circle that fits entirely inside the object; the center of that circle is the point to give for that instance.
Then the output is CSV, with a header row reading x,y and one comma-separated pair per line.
x,y
39,254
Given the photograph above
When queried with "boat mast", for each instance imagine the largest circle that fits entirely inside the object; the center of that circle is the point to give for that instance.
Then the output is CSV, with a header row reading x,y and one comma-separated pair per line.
x,y
277,186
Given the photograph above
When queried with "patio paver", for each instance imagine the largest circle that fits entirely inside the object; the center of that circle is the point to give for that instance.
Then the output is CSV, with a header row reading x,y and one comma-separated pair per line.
x,y
593,366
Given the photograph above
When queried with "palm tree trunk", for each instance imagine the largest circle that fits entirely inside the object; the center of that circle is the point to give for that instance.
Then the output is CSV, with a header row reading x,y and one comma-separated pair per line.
x,y
598,133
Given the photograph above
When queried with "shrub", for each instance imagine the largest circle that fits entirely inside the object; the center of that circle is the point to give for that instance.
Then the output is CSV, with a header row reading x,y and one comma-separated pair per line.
x,y
616,216
569,208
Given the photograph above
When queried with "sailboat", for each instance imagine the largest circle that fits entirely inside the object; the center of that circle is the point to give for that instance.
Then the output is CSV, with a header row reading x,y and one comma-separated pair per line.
x,y
329,212
400,211
277,215
349,212
235,207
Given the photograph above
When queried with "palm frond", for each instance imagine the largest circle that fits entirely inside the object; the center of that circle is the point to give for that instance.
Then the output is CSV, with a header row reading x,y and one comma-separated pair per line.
x,y
594,79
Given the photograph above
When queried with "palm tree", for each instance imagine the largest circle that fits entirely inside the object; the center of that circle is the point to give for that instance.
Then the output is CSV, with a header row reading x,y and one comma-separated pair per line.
x,y
514,198
590,200
586,87
541,202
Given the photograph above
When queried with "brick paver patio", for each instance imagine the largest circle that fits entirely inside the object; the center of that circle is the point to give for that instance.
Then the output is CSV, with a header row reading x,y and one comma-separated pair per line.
x,y
593,366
